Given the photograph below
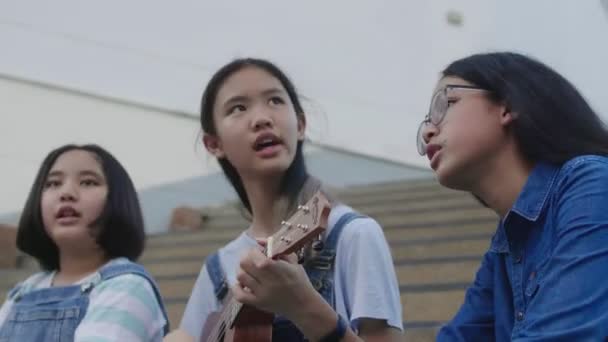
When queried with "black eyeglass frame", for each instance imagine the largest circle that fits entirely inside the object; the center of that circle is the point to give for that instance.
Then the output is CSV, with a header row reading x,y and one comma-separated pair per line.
x,y
429,118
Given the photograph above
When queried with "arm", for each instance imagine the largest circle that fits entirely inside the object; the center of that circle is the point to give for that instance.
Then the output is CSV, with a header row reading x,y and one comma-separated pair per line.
x,y
6,307
8,303
201,303
571,301
178,335
123,308
317,319
366,282
283,287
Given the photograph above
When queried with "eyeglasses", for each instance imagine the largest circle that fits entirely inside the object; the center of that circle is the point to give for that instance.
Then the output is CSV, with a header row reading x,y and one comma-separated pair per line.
x,y
439,107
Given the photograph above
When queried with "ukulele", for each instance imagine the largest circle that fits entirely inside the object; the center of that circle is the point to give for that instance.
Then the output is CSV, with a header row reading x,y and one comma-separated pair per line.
x,y
237,322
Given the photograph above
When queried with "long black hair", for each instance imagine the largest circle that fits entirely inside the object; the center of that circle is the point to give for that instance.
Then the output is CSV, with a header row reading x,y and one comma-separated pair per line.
x,y
553,122
296,175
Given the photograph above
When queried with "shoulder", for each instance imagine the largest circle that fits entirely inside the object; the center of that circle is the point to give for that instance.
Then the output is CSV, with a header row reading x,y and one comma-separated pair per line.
x,y
364,269
125,270
121,265
587,174
579,199
361,237
127,301
227,255
125,308
36,278
359,227
35,281
585,165
227,260
125,282
130,282
126,288
235,247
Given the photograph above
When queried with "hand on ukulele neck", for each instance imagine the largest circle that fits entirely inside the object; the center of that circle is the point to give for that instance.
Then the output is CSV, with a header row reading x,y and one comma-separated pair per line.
x,y
279,286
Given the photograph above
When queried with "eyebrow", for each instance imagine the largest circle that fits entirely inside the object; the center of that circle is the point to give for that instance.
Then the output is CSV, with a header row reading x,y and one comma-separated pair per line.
x,y
59,173
243,98
273,91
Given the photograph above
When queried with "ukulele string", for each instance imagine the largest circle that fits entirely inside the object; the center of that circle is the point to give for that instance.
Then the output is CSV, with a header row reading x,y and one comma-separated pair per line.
x,y
220,329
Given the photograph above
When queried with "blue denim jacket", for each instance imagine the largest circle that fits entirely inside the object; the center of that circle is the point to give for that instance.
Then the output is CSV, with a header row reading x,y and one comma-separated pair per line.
x,y
545,275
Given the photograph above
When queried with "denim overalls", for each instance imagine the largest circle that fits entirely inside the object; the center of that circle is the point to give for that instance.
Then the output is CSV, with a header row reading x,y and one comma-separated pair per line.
x,y
319,269
52,314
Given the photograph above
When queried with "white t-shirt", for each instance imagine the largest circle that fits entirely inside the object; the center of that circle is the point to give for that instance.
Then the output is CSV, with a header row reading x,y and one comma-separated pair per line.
x,y
364,276
123,308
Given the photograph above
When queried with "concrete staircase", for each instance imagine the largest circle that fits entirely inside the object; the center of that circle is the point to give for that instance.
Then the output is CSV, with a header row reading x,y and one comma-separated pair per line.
x,y
437,238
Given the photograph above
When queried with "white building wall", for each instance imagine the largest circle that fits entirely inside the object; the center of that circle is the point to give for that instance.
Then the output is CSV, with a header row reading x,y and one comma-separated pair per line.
x,y
154,146
368,66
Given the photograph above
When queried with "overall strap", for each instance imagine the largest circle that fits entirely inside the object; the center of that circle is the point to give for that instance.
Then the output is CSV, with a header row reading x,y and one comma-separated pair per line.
x,y
332,240
324,260
23,287
217,276
320,268
116,269
14,291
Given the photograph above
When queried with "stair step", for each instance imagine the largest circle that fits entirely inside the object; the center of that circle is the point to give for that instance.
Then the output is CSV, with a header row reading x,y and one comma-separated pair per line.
x,y
418,308
394,220
442,249
431,306
437,238
463,272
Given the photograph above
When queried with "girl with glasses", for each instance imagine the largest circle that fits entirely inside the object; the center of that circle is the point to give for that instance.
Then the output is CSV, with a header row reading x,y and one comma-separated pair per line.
x,y
523,140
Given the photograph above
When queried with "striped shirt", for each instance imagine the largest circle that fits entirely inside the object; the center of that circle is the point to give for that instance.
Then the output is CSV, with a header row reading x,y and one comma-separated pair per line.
x,y
123,308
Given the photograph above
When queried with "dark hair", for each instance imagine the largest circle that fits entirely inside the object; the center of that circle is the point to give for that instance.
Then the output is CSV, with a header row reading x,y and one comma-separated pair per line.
x,y
553,122
296,174
121,227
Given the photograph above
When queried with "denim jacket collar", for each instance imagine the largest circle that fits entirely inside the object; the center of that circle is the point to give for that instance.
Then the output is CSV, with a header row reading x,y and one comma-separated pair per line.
x,y
530,202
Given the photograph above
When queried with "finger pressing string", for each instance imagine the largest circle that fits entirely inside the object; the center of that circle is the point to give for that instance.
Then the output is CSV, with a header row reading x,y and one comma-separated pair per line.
x,y
246,280
243,294
290,258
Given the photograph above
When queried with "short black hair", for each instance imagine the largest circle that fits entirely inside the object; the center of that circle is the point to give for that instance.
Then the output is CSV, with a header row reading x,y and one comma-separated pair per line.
x,y
553,121
296,174
120,226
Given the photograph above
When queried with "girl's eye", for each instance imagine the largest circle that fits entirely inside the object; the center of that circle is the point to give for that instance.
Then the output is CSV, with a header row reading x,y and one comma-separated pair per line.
x,y
276,100
236,109
51,184
89,182
450,102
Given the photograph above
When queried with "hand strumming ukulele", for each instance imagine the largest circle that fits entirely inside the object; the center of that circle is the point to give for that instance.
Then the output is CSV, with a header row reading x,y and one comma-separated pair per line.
x,y
243,323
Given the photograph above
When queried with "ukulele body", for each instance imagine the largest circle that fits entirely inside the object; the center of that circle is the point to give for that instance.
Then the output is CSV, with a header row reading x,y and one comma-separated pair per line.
x,y
251,325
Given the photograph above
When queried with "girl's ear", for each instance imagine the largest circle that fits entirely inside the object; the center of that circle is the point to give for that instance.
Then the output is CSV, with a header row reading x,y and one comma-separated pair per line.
x,y
213,145
507,117
301,127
